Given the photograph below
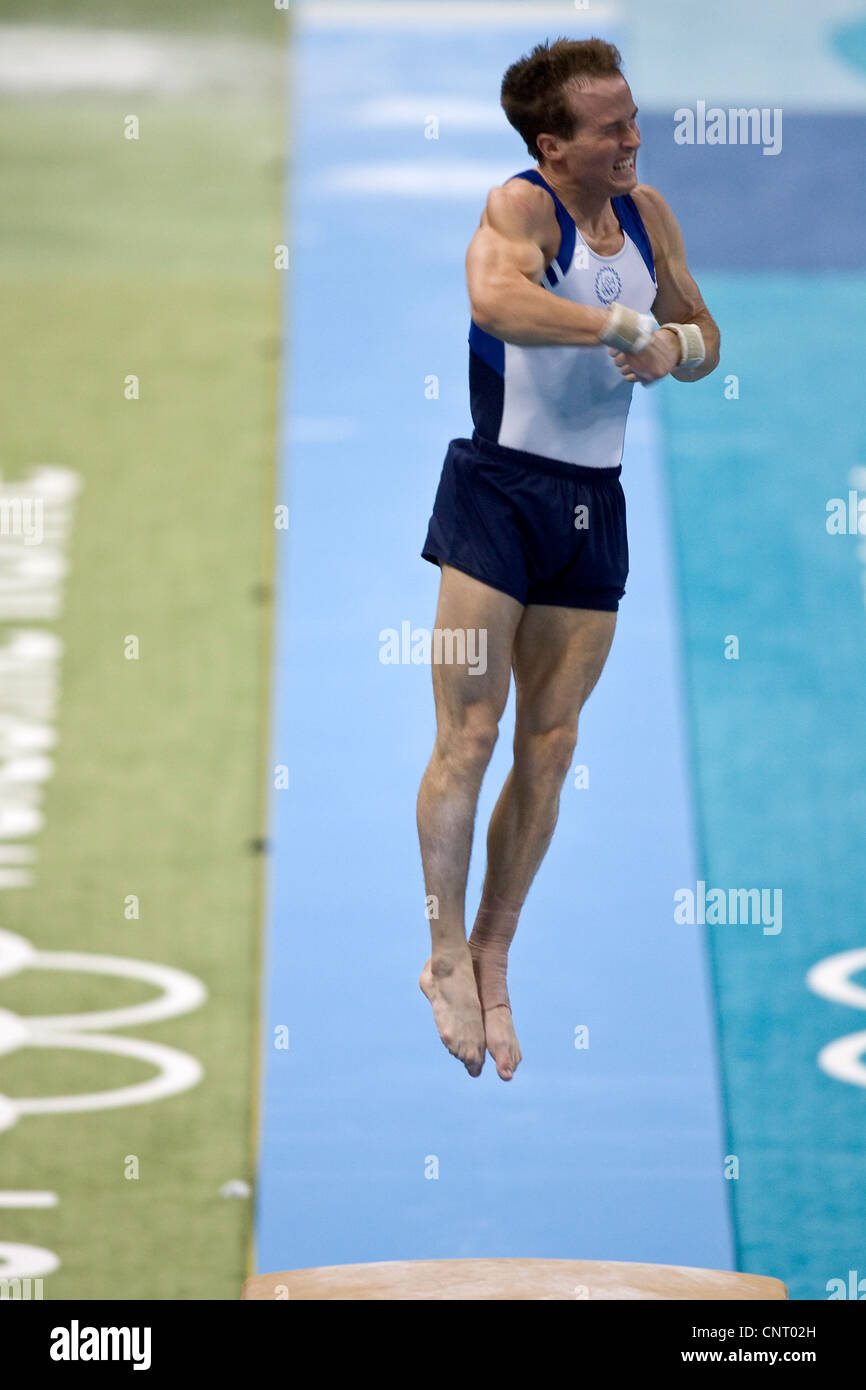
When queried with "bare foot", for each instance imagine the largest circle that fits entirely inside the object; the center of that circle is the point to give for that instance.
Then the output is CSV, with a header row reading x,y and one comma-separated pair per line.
x,y
499,1032
501,1040
450,987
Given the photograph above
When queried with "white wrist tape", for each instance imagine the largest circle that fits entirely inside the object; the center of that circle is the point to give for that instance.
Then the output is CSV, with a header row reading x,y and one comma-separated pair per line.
x,y
692,350
627,330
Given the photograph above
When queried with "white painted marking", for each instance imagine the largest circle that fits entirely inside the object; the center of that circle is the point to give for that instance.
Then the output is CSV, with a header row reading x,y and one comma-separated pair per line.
x,y
181,992
14,1033
829,978
428,178
21,1200
457,14
843,1059
235,1187
176,1071
55,58
15,878
26,1261
16,953
31,586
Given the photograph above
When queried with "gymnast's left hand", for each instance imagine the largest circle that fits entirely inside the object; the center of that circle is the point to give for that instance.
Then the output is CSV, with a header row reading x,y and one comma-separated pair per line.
x,y
659,357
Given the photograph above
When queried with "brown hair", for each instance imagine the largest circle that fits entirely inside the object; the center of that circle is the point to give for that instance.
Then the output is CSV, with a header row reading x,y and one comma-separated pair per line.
x,y
533,89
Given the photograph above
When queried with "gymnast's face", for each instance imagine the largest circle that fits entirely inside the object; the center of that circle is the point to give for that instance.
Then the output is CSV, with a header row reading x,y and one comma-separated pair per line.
x,y
601,156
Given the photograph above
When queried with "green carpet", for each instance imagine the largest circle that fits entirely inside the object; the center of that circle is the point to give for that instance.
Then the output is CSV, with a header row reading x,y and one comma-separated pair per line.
x,y
152,258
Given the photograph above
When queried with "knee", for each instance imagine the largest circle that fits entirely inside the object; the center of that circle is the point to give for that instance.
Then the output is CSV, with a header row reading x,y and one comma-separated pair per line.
x,y
545,757
468,747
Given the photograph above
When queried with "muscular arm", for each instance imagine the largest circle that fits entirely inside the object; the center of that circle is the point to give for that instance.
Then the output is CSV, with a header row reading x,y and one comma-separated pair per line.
x,y
518,237
678,299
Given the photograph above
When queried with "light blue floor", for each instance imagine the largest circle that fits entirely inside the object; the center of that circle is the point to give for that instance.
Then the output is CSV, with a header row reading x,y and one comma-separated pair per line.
x,y
611,1152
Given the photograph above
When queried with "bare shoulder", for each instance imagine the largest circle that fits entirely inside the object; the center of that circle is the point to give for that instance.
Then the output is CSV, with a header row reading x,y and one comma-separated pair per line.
x,y
650,198
658,218
522,210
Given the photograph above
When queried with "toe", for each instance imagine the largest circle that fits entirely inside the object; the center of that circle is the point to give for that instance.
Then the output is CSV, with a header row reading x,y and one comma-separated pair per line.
x,y
504,1061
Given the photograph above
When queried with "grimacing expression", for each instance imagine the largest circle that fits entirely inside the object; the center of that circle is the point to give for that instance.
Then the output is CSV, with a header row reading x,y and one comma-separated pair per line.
x,y
602,153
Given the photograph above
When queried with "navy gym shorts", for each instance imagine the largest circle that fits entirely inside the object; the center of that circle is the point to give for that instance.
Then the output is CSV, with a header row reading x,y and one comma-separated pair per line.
x,y
540,530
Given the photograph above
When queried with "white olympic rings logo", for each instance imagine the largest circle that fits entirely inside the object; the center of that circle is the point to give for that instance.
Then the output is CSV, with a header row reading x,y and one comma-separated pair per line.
x,y
176,1071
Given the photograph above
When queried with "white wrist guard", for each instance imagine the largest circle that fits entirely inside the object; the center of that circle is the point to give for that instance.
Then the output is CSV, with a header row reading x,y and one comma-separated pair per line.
x,y
692,350
627,330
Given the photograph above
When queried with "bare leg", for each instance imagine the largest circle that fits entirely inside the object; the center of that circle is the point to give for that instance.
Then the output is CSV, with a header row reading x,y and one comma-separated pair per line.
x,y
559,654
469,705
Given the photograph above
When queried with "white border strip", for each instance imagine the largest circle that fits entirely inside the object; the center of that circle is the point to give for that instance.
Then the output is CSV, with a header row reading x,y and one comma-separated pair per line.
x,y
455,14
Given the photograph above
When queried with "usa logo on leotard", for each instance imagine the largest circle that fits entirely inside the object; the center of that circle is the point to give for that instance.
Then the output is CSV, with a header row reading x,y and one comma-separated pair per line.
x,y
607,284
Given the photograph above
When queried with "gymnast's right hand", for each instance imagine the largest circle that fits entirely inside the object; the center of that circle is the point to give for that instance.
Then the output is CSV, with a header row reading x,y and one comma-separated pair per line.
x,y
626,329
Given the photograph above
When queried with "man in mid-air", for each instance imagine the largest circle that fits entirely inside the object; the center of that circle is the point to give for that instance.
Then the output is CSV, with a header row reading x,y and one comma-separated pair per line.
x,y
573,268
